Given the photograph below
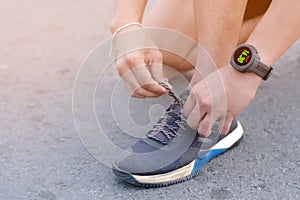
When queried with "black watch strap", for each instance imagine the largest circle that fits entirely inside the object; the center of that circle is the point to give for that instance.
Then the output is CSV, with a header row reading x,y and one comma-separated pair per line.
x,y
261,69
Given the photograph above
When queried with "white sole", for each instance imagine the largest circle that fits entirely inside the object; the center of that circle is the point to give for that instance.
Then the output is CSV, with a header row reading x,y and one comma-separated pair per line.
x,y
188,170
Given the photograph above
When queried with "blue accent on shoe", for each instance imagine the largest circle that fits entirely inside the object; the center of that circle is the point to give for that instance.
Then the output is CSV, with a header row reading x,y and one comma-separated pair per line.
x,y
199,162
169,146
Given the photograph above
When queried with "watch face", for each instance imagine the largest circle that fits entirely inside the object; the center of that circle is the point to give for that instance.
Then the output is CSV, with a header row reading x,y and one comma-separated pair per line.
x,y
242,56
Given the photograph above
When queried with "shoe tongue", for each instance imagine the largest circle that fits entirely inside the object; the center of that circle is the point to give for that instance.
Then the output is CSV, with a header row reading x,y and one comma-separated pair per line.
x,y
173,114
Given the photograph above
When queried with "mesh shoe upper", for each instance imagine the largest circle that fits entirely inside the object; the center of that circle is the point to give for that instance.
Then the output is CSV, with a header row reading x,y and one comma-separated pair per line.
x,y
166,128
171,144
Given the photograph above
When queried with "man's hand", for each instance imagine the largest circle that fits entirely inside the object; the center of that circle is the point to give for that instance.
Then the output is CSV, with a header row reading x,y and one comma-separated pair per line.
x,y
139,64
222,95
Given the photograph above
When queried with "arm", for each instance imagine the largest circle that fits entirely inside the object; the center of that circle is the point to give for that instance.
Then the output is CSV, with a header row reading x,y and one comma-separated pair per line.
x,y
219,23
140,69
127,11
277,30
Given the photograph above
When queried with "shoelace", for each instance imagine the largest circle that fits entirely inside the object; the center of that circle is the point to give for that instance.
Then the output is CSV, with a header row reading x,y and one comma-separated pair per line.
x,y
166,128
172,94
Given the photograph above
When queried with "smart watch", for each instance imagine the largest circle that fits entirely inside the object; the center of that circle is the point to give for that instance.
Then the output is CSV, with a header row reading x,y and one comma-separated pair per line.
x,y
246,59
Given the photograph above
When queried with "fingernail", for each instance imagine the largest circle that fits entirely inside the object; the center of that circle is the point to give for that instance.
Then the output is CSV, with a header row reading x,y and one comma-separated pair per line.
x,y
201,135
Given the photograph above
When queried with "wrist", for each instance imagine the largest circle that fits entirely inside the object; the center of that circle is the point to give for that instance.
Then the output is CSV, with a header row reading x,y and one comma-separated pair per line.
x,y
262,52
248,77
115,24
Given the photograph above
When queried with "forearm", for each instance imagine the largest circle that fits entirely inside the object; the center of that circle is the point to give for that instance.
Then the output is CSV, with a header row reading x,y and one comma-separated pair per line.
x,y
219,23
277,30
127,11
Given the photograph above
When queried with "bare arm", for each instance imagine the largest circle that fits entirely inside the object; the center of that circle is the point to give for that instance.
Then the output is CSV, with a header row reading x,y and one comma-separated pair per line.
x,y
219,23
141,69
277,31
127,11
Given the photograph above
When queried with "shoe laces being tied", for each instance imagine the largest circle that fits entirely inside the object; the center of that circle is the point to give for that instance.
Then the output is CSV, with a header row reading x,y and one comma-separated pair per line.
x,y
166,128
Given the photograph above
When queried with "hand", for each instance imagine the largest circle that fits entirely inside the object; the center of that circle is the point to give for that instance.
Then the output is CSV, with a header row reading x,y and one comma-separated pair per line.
x,y
222,95
141,69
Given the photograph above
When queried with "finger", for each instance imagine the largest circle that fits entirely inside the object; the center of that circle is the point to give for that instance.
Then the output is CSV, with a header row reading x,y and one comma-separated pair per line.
x,y
189,105
145,79
204,106
135,88
205,126
131,83
154,62
138,96
155,88
193,119
135,62
195,78
142,93
157,72
224,125
122,66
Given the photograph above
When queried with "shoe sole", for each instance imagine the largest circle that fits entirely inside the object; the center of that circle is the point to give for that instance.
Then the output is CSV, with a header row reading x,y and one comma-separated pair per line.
x,y
186,172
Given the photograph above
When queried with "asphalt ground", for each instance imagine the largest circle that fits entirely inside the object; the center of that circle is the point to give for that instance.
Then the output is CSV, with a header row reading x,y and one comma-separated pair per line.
x,y
43,43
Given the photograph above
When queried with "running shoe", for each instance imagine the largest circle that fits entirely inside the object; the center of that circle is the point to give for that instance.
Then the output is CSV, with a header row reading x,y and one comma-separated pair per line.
x,y
172,152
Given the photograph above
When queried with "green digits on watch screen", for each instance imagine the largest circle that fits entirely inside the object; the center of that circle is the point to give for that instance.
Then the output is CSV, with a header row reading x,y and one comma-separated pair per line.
x,y
242,56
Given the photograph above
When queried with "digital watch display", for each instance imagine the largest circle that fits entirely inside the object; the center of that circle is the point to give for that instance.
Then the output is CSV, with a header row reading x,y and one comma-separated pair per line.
x,y
246,59
242,56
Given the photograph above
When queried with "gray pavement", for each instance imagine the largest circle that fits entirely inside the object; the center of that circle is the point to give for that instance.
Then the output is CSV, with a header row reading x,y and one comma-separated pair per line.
x,y
42,44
